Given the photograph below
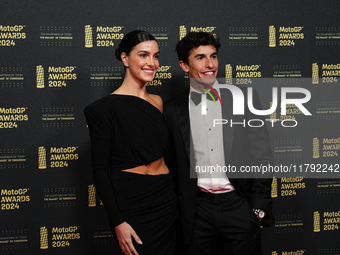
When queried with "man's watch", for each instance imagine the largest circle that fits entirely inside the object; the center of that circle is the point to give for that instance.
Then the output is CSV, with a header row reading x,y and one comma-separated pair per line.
x,y
260,214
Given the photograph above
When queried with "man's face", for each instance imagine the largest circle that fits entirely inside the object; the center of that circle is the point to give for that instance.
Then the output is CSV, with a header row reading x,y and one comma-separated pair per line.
x,y
203,65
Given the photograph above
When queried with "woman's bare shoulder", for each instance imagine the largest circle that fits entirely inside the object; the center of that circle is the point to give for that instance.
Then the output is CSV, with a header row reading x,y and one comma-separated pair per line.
x,y
157,101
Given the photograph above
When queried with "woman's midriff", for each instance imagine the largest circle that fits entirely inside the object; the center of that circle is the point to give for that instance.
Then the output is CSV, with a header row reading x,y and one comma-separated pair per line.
x,y
154,168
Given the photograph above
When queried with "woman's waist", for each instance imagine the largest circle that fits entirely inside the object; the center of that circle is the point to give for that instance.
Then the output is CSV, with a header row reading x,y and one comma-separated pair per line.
x,y
156,167
129,185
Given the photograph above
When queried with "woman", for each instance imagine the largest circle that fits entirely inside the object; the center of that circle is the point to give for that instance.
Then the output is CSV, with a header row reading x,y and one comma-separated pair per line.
x,y
128,140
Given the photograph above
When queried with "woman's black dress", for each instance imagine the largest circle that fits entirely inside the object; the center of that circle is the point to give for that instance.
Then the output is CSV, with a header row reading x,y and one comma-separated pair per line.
x,y
126,132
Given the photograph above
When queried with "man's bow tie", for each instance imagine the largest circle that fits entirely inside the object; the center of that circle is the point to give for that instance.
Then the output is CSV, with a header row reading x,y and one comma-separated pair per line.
x,y
197,97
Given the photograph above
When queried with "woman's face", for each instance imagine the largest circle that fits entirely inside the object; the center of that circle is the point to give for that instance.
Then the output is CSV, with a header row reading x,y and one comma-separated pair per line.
x,y
143,61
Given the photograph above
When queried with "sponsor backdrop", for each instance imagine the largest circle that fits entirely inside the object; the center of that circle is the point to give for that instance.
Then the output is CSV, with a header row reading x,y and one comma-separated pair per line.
x,y
58,56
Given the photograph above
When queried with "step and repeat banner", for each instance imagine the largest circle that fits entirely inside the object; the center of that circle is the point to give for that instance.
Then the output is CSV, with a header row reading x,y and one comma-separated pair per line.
x,y
56,57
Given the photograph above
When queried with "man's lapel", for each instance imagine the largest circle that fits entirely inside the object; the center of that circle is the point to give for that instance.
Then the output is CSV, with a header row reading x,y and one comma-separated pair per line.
x,y
228,131
182,111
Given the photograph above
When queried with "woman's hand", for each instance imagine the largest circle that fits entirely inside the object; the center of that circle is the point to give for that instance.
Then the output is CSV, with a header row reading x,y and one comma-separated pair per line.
x,y
124,232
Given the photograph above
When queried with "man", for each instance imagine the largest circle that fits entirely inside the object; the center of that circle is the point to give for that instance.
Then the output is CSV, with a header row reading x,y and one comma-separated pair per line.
x,y
219,214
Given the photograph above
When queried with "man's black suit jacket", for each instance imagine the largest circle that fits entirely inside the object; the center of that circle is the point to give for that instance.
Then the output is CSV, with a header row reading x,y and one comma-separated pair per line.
x,y
242,146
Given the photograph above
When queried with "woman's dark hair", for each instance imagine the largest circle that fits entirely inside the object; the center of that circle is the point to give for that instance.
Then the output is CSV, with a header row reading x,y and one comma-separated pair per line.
x,y
194,40
130,40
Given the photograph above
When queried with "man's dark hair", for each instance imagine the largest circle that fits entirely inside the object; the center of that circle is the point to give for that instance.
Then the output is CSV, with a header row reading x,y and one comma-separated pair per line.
x,y
193,40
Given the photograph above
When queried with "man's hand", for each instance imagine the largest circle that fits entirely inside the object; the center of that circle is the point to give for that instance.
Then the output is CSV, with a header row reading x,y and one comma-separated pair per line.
x,y
124,232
